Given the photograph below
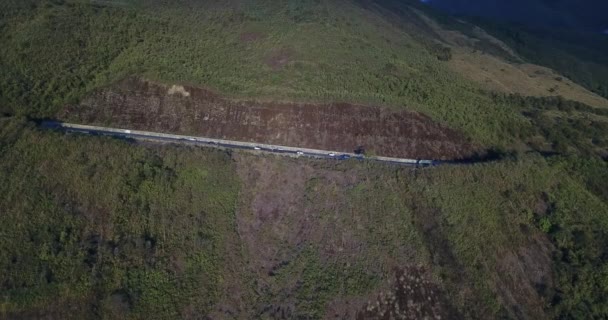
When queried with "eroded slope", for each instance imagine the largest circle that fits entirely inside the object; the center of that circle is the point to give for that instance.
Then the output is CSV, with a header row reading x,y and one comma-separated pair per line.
x,y
144,105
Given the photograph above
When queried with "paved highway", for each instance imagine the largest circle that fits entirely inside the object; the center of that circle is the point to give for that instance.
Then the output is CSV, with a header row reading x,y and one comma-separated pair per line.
x,y
228,144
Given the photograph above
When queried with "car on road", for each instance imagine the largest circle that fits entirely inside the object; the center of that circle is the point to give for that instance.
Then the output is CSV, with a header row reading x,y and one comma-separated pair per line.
x,y
191,139
257,148
332,154
127,131
425,163
300,153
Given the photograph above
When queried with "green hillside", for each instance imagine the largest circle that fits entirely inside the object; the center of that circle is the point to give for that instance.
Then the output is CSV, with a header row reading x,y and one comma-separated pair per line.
x,y
57,51
98,228
311,51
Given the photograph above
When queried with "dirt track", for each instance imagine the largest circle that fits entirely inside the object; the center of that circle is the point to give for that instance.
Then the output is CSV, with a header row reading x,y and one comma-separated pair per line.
x,y
143,105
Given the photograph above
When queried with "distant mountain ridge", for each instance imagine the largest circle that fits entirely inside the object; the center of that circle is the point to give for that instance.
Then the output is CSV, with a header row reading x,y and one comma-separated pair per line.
x,y
585,15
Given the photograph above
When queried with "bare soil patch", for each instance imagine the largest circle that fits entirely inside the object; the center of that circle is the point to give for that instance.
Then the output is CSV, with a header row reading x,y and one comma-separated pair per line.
x,y
525,279
248,37
277,209
412,296
290,207
279,58
342,127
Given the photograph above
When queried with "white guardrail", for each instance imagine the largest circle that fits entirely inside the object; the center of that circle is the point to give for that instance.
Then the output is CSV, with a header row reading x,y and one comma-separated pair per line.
x,y
146,135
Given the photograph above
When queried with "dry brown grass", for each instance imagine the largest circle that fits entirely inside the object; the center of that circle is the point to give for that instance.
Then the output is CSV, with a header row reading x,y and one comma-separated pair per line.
x,y
495,74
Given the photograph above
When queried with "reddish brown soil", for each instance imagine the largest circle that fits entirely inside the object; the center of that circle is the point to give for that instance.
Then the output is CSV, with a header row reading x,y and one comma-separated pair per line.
x,y
279,58
250,36
277,205
532,264
144,105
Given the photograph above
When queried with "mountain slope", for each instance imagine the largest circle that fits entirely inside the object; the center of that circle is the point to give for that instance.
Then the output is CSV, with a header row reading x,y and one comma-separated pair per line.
x,y
94,227
99,228
381,53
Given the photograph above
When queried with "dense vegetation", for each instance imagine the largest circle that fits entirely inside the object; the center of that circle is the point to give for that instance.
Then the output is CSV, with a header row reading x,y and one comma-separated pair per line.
x,y
559,126
106,228
102,226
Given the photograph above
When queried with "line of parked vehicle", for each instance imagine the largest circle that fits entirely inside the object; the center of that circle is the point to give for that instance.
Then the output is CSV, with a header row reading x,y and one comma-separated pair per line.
x,y
132,134
332,155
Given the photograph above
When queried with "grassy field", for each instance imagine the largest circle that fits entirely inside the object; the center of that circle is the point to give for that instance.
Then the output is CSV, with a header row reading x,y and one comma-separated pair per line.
x,y
494,74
